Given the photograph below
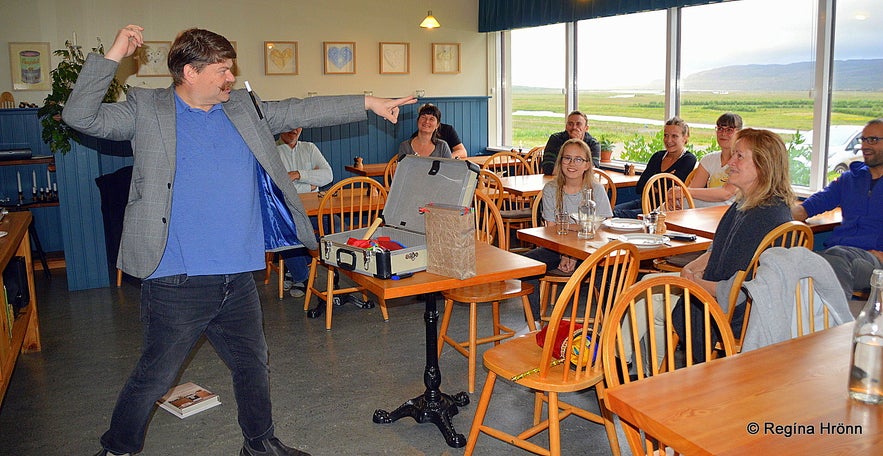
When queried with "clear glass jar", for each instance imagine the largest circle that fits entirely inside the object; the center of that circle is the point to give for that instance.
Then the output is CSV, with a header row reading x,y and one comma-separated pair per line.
x,y
586,215
866,366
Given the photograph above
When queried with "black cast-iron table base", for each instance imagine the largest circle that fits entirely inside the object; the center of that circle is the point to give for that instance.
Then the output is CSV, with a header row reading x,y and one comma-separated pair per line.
x,y
433,405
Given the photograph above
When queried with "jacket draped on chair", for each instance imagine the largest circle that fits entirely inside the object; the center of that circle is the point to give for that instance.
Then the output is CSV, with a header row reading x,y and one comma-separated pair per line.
x,y
773,317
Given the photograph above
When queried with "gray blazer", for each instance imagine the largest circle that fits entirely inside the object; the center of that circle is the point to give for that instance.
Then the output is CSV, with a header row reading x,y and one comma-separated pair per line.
x,y
147,119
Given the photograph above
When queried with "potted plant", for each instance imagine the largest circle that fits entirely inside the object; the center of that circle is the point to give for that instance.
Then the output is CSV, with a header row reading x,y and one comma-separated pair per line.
x,y
55,132
606,148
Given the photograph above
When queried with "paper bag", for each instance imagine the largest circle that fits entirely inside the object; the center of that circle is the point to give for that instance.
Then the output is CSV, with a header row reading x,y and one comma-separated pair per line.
x,y
450,241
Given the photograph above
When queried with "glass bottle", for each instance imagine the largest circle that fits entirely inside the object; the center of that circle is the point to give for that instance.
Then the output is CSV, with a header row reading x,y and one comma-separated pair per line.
x,y
866,366
586,215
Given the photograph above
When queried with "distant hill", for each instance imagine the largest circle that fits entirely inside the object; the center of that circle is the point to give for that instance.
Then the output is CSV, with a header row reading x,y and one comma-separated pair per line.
x,y
860,75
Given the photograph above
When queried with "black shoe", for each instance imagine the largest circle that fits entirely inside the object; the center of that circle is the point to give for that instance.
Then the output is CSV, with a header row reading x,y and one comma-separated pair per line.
x,y
104,452
272,447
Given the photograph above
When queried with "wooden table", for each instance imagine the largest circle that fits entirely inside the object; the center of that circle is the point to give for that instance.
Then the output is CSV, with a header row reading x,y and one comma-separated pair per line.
x,y
25,327
569,244
703,221
367,169
713,408
492,264
311,201
532,184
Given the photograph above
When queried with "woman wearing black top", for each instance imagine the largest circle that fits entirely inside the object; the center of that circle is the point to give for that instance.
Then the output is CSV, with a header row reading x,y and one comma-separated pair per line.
x,y
675,159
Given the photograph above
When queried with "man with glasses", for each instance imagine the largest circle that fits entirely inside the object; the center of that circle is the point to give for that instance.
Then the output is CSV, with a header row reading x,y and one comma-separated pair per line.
x,y
575,128
855,248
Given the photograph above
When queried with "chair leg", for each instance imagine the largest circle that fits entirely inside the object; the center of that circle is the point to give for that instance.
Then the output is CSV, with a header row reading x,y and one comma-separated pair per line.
x,y
473,334
528,313
383,311
119,277
480,412
329,298
268,259
607,417
311,282
554,425
281,267
443,327
538,400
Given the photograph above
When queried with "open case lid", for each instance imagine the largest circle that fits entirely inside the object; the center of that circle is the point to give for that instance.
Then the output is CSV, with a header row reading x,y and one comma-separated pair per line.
x,y
419,181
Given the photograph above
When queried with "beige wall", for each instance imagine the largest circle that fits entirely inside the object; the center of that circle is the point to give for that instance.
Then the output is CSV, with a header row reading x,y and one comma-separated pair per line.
x,y
250,23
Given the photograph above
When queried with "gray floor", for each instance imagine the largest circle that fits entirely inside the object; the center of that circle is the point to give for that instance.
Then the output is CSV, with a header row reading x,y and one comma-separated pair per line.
x,y
326,384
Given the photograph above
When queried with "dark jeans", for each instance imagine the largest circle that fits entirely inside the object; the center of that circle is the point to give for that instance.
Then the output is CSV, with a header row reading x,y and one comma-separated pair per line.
x,y
175,312
628,209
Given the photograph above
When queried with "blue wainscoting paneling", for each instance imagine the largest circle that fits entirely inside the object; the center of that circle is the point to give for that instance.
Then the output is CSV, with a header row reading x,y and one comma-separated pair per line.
x,y
20,129
77,223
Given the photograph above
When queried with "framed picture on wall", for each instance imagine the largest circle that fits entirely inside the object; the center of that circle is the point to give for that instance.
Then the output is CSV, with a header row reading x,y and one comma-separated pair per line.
x,y
340,57
395,58
152,59
29,64
280,57
446,58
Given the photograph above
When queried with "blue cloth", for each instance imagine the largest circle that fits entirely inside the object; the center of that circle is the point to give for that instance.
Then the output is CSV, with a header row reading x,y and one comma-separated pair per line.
x,y
178,310
279,230
862,208
215,227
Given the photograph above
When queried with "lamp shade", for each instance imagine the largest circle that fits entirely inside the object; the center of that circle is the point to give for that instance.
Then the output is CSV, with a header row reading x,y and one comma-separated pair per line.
x,y
430,22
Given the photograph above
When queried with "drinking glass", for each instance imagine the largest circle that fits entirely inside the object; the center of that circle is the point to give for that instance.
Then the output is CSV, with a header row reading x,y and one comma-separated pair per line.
x,y
562,222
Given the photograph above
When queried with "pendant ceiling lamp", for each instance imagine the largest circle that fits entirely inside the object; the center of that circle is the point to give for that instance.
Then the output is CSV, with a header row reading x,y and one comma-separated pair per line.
x,y
430,21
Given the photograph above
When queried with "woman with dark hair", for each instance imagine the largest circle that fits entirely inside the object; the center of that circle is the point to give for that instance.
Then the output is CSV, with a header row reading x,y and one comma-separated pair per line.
x,y
427,142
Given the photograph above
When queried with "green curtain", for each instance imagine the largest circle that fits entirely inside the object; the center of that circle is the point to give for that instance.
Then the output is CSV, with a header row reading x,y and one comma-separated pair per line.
x,y
496,15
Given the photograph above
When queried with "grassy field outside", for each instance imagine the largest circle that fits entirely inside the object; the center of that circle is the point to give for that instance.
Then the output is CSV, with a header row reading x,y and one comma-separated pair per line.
x,y
542,113
779,110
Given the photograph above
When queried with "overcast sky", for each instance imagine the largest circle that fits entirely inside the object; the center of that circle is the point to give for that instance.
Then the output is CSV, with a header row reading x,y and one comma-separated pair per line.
x,y
630,49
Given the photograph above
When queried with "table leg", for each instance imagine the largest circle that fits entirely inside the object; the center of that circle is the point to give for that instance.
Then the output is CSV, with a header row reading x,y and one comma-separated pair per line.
x,y
433,405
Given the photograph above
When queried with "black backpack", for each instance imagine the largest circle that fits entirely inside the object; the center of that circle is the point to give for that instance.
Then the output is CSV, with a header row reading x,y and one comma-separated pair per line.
x,y
15,279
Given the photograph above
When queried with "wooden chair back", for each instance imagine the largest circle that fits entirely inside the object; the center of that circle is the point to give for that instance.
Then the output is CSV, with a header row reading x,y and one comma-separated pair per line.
x,y
536,213
656,189
788,234
690,177
507,164
488,222
534,159
804,304
7,101
491,185
605,274
602,177
389,171
355,202
635,306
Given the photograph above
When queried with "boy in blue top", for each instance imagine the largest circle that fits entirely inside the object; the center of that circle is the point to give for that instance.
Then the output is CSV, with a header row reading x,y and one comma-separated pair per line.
x,y
855,248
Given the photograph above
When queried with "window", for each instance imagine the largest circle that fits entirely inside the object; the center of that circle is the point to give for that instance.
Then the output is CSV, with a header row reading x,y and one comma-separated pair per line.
x,y
767,78
858,95
621,88
538,70
756,58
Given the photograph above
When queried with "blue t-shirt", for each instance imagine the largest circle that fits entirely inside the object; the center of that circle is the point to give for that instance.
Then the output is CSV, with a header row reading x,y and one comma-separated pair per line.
x,y
215,225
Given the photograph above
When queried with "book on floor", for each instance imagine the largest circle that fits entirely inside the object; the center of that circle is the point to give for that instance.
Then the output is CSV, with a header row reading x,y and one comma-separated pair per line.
x,y
187,399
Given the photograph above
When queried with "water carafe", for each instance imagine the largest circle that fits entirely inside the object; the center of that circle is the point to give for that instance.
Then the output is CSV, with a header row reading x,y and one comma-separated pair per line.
x,y
866,367
586,215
